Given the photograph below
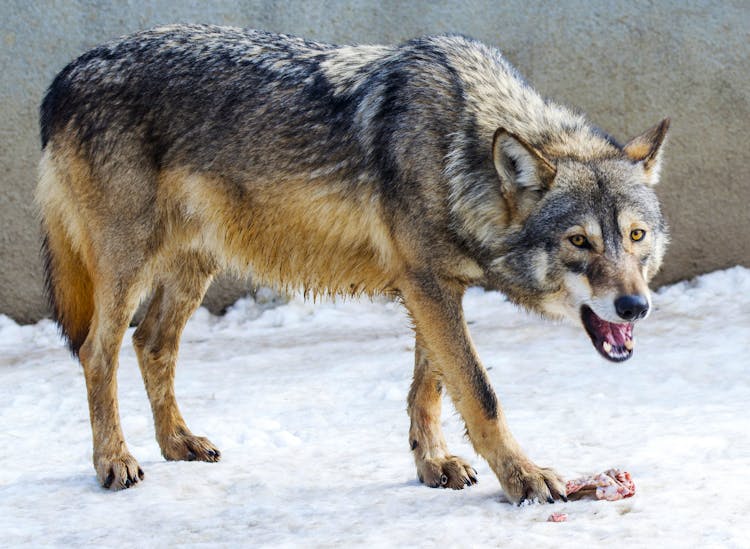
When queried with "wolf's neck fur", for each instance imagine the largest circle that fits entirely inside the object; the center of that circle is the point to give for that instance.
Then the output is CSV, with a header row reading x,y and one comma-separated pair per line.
x,y
500,98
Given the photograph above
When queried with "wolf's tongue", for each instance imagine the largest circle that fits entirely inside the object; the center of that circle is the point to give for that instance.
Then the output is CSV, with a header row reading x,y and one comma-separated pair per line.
x,y
620,333
614,333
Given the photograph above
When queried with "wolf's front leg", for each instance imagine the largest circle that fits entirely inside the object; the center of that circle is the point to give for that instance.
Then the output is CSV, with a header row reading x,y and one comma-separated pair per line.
x,y
436,467
436,308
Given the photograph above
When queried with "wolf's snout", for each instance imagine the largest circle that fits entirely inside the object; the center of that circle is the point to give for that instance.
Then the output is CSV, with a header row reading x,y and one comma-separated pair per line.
x,y
631,307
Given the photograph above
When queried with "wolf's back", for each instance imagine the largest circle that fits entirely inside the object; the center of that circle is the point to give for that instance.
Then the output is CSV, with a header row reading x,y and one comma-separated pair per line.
x,y
199,95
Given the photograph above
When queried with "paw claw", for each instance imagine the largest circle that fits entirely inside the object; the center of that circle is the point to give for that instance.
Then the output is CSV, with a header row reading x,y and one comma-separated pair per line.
x,y
110,478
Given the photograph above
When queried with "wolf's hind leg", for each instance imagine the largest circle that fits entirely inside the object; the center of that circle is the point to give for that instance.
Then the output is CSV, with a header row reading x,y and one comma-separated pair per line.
x,y
115,467
436,467
177,295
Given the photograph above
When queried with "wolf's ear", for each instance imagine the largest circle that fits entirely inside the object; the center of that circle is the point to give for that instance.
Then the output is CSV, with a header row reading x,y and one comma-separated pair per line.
x,y
519,164
646,149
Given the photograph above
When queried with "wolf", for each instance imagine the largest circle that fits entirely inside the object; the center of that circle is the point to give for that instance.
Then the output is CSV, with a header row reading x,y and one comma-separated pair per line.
x,y
413,171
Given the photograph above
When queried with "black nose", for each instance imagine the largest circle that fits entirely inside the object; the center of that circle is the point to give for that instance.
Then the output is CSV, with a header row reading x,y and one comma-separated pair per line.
x,y
631,307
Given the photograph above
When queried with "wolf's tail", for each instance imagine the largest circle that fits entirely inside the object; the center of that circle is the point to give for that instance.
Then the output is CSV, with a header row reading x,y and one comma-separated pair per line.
x,y
69,288
68,283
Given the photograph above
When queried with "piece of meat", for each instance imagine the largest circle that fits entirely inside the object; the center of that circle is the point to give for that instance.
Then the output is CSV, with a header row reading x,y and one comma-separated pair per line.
x,y
610,485
557,517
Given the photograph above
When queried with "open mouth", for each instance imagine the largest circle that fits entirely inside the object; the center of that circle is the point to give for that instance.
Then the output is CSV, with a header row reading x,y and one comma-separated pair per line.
x,y
613,340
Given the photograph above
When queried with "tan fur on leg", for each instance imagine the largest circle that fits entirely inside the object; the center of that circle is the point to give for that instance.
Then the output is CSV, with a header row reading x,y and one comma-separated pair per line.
x,y
115,467
435,466
435,306
156,341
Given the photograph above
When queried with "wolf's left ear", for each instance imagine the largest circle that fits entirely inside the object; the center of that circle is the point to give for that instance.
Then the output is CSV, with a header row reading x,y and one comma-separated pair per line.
x,y
646,148
520,164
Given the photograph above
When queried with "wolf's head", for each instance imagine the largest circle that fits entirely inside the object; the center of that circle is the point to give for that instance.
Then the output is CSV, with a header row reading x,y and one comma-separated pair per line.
x,y
586,236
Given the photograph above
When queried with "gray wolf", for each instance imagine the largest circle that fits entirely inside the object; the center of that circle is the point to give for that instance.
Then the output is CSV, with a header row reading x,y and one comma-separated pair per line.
x,y
413,171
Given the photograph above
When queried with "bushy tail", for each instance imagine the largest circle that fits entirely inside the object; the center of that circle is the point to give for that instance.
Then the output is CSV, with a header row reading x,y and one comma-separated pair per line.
x,y
70,291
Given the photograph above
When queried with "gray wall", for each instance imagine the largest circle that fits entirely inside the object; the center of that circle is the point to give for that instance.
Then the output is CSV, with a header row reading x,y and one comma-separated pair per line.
x,y
627,64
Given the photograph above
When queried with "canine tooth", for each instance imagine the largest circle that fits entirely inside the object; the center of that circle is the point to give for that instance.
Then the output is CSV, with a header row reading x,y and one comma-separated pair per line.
x,y
629,344
607,346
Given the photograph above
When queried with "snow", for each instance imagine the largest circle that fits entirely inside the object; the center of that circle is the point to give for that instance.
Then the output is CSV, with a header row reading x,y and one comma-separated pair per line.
x,y
307,403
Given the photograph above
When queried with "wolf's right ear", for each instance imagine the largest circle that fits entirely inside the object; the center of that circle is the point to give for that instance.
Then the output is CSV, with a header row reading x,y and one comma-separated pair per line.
x,y
519,164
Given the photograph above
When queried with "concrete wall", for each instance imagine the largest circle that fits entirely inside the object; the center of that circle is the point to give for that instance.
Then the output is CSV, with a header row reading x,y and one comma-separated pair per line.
x,y
627,64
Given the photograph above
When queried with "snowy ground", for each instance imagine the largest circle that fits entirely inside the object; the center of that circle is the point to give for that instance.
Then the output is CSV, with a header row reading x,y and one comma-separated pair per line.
x,y
307,404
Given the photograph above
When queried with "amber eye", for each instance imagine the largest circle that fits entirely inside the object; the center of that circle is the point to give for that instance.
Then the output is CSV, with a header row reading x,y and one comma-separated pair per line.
x,y
579,241
637,234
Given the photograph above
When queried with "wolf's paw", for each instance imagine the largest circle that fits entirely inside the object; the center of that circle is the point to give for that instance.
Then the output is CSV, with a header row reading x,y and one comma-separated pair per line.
x,y
118,472
523,481
188,447
447,472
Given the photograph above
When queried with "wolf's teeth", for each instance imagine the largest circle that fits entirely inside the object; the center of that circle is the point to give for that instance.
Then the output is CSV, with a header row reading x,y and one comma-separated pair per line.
x,y
629,344
607,346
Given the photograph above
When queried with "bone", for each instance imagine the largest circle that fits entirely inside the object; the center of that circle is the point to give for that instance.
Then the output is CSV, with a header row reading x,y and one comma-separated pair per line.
x,y
611,485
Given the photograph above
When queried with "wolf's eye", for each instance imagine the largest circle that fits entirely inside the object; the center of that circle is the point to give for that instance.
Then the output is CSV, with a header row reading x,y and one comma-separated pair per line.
x,y
579,241
637,234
